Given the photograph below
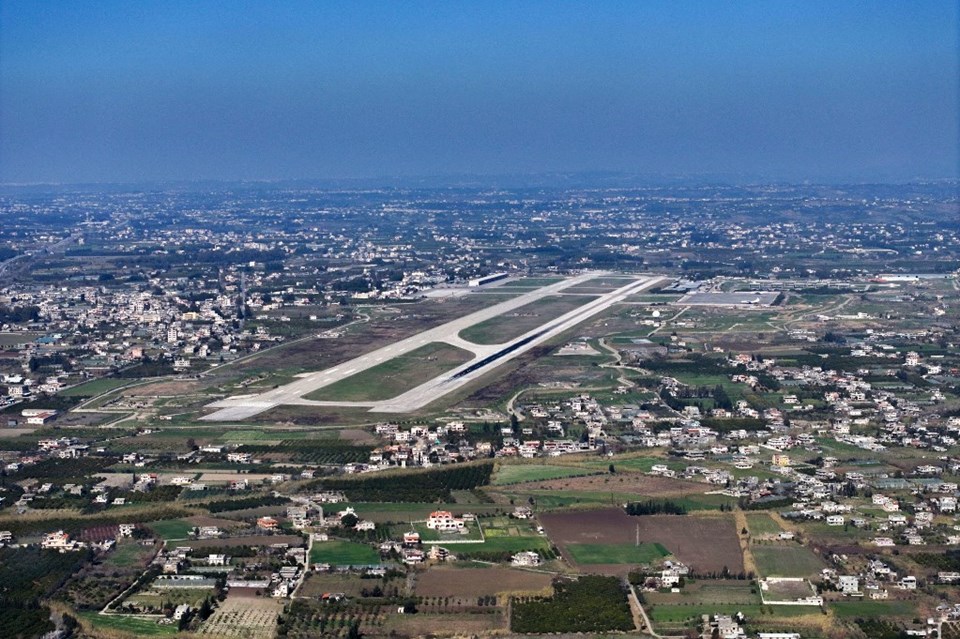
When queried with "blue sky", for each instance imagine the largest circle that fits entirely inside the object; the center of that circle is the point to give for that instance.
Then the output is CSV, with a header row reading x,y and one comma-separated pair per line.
x,y
145,90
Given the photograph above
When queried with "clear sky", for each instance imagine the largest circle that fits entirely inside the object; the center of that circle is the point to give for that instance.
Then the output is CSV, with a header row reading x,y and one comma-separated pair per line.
x,y
138,90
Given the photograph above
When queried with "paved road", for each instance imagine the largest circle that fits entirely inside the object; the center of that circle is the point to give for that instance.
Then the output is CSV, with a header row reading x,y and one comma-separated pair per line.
x,y
485,356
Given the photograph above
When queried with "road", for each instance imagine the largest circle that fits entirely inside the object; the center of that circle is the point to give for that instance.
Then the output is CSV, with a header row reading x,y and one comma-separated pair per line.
x,y
46,250
486,357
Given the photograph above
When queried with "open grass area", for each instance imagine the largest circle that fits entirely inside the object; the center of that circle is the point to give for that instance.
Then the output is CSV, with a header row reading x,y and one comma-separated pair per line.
x,y
515,323
616,553
135,626
762,524
786,561
870,608
503,534
171,528
128,553
519,473
395,376
343,553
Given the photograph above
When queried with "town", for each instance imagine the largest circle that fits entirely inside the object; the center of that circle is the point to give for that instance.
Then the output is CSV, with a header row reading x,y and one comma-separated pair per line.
x,y
746,425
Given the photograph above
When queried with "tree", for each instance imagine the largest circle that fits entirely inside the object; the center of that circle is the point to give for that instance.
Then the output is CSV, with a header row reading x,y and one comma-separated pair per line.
x,y
611,469
349,520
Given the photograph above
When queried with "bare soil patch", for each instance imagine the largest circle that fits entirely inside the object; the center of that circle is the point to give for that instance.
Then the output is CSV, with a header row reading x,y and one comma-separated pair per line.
x,y
706,544
169,388
480,582
635,484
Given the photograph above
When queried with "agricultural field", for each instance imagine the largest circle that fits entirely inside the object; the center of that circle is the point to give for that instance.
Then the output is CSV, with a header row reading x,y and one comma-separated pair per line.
x,y
395,376
780,560
644,553
761,524
507,474
474,582
353,585
513,324
707,544
128,624
635,484
243,617
450,623
590,604
172,529
713,592
503,535
343,553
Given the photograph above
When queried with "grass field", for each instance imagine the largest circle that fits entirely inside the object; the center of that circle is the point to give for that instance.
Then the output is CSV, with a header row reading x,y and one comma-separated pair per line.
x,y
504,544
343,553
171,528
125,623
870,608
127,553
503,534
616,553
762,524
786,561
504,328
519,473
95,387
395,376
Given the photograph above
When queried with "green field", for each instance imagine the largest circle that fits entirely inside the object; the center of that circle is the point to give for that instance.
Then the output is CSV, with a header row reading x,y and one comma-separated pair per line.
x,y
515,323
127,553
170,529
95,387
503,544
616,553
786,561
126,623
395,376
762,524
871,608
343,553
519,473
503,534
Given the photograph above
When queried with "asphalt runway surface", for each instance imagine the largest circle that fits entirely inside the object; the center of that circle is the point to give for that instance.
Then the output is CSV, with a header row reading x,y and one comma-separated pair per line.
x,y
486,357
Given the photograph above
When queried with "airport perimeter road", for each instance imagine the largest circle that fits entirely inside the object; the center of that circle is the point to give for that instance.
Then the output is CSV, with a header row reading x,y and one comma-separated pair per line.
x,y
243,406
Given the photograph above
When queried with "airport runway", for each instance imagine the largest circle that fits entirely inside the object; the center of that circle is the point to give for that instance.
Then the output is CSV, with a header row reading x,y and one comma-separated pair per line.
x,y
240,407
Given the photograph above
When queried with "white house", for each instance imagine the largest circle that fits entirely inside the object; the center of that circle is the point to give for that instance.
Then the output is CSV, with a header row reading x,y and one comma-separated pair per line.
x,y
444,521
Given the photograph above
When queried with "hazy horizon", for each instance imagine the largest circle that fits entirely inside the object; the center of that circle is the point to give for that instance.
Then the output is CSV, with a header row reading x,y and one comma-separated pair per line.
x,y
828,92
